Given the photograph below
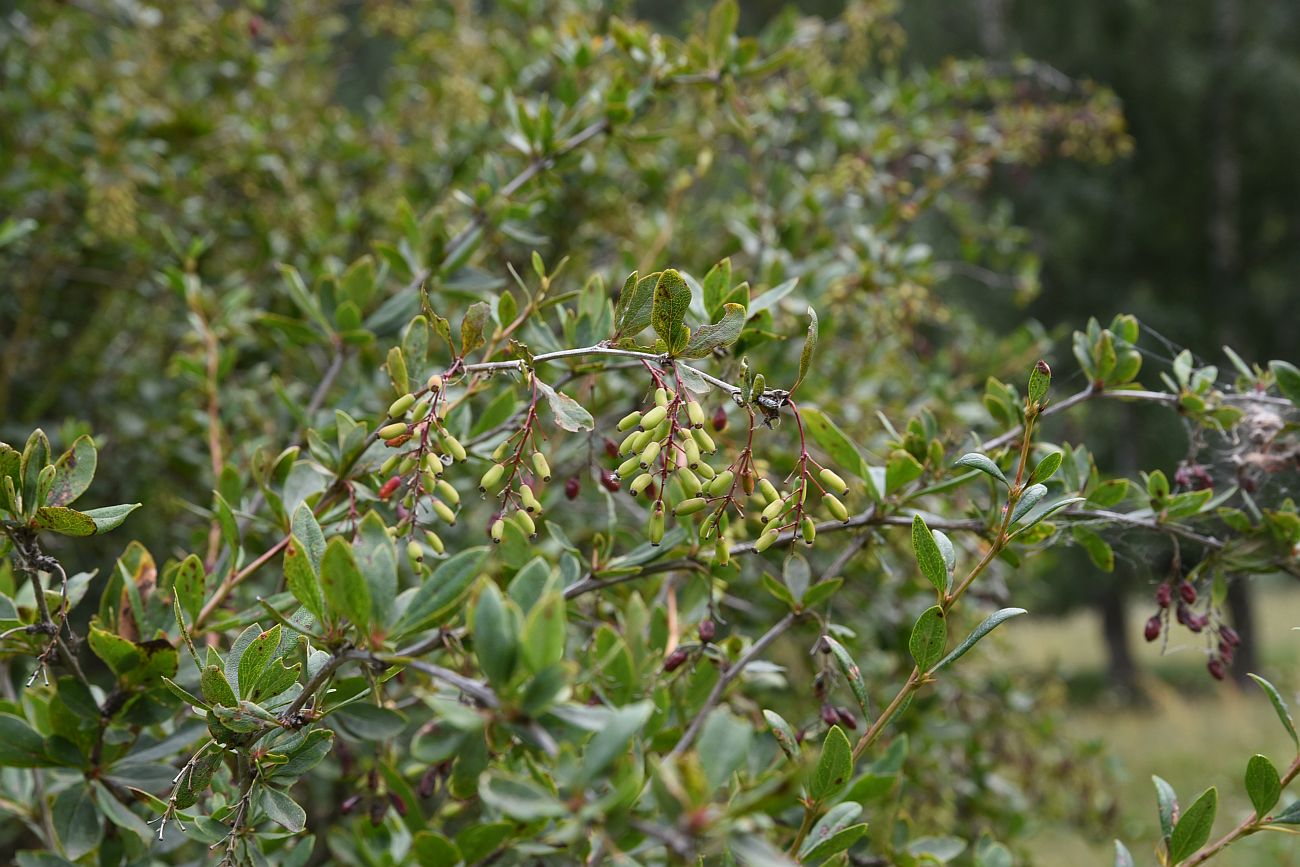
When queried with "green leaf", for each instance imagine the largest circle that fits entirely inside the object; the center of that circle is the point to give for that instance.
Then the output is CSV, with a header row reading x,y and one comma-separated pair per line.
x,y
984,464
371,722
809,347
568,413
636,304
672,297
76,821
834,767
820,592
283,810
851,673
1040,379
836,820
723,746
120,815
929,638
1166,804
544,633
522,800
432,849
471,327
784,733
928,556
253,661
376,559
1288,380
838,842
611,741
301,578
993,621
110,517
1262,784
1099,550
215,688
345,589
1289,816
65,521
20,745
724,332
441,594
1193,828
1047,467
1283,713
184,694
73,472
496,645
837,444
1029,498
901,469
307,755
190,585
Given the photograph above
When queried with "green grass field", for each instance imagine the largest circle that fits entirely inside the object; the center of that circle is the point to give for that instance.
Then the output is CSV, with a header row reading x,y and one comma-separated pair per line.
x,y
1194,732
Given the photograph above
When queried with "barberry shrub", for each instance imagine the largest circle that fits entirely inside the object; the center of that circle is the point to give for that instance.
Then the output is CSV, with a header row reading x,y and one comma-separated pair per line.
x,y
594,560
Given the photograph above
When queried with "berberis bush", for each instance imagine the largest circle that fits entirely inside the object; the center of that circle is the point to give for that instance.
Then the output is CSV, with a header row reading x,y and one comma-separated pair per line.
x,y
598,475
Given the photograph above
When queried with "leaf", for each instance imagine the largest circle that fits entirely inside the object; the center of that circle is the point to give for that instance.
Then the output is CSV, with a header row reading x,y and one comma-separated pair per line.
x,y
785,735
1288,380
1099,550
820,592
1279,706
984,464
834,844
190,585
1289,816
471,327
1122,856
834,767
1029,498
544,633
371,722
672,297
723,745
928,556
1166,804
110,517
636,304
73,472
772,297
495,643
1193,828
76,821
568,413
837,444
836,820
851,673
307,755
1040,379
65,521
345,589
308,533
611,741
20,745
1047,467
809,347
929,638
253,661
376,559
284,810
901,469
216,689
724,332
523,800
1262,784
301,579
442,592
993,621
432,849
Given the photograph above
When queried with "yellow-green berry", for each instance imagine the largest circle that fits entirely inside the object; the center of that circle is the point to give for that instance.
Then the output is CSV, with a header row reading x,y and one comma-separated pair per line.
x,y
398,408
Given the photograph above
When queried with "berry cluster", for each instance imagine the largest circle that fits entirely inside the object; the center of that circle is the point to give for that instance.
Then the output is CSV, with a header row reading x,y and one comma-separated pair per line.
x,y
1223,638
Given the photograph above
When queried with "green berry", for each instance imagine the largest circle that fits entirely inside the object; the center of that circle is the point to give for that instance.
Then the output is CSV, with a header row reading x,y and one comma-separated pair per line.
x,y
834,482
690,507
492,477
396,429
651,419
398,408
541,467
629,421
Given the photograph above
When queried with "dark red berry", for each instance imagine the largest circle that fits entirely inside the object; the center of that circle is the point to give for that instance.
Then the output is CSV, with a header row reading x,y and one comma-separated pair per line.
x,y
1196,624
830,715
398,804
349,804
428,782
847,719
389,487
1164,595
1188,592
609,481
1152,630
708,630
720,419
378,809
1226,652
1184,614
1228,634
676,659
1215,667
572,487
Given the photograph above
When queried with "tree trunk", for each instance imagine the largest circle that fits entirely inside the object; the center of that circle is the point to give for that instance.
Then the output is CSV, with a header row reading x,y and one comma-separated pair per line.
x,y
1114,629
1246,659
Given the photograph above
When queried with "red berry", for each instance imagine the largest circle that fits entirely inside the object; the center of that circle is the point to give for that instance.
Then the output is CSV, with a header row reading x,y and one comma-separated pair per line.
x,y
719,419
572,487
708,630
1226,652
1196,624
830,715
1215,667
1184,614
1188,592
1228,634
398,804
1152,629
609,481
676,659
428,782
1164,595
848,720
389,487
611,448
349,804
